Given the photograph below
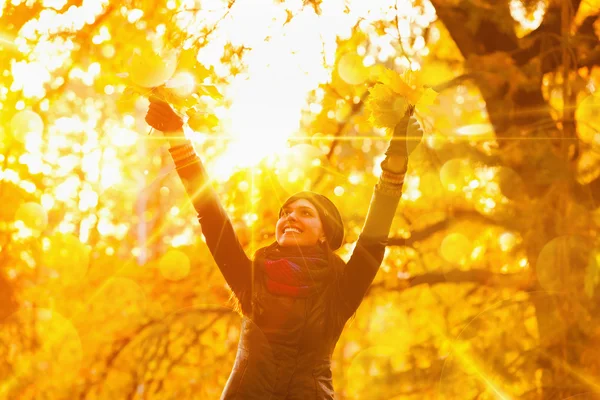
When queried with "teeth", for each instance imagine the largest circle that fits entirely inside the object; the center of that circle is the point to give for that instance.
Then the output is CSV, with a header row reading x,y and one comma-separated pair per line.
x,y
291,230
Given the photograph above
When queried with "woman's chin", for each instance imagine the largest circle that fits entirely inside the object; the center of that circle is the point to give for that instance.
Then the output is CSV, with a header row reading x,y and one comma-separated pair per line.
x,y
293,242
289,243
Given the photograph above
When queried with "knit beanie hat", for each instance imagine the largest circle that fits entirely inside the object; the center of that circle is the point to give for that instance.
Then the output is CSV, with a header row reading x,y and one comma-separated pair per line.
x,y
333,226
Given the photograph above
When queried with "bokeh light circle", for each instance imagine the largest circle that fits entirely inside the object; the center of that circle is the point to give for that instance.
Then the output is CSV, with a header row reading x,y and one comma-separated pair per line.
x,y
352,70
456,248
588,117
511,184
455,174
33,216
24,123
562,264
174,265
148,69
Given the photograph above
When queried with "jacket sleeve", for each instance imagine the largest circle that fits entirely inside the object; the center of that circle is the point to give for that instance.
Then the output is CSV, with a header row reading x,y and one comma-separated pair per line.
x,y
370,246
216,225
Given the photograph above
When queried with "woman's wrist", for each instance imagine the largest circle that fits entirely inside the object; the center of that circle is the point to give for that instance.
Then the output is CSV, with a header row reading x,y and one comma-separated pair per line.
x,y
183,154
176,138
393,171
395,163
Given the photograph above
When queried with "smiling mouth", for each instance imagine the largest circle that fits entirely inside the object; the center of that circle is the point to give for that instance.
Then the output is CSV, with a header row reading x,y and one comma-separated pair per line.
x,y
292,230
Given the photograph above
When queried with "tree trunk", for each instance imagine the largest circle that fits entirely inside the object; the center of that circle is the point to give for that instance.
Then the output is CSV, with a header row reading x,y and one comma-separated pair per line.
x,y
517,109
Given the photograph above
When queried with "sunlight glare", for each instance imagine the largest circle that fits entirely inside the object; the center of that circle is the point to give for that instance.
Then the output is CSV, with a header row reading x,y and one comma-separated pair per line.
x,y
266,106
285,61
182,83
520,14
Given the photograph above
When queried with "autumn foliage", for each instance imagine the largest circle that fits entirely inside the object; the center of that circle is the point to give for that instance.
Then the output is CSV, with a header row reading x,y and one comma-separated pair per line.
x,y
490,284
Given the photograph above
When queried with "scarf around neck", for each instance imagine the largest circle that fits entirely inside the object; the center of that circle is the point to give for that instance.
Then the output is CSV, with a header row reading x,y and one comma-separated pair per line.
x,y
294,272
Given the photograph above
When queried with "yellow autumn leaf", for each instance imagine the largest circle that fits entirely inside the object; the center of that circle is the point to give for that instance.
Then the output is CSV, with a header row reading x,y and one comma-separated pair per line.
x,y
393,79
188,62
427,98
385,107
389,99
201,121
148,68
413,96
210,90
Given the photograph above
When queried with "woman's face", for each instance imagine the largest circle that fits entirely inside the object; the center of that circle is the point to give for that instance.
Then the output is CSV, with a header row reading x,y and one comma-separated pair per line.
x,y
299,225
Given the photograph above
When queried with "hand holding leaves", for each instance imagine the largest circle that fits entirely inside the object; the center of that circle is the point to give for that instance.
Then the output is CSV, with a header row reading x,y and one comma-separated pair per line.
x,y
391,105
161,116
174,81
391,97
407,135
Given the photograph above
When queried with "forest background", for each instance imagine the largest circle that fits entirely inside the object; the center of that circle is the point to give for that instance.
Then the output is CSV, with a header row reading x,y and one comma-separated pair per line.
x,y
489,288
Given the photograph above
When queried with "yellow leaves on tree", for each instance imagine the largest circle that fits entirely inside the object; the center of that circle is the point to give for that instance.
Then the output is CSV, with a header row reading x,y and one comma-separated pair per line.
x,y
150,69
67,256
173,76
52,361
391,97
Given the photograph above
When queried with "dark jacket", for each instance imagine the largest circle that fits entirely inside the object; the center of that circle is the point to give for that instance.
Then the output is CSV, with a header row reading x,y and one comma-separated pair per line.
x,y
286,343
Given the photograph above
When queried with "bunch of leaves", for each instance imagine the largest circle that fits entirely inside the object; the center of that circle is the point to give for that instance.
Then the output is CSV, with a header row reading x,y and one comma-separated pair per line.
x,y
193,106
192,103
391,97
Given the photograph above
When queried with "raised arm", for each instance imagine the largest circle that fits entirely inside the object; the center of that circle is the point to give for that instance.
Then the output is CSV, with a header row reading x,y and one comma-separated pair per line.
x,y
217,229
370,247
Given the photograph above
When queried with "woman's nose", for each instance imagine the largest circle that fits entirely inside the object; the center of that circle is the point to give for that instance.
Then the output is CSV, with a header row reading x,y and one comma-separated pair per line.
x,y
291,215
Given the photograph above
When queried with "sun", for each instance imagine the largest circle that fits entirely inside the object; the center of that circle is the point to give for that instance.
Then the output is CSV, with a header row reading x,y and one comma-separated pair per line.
x,y
263,115
283,63
267,101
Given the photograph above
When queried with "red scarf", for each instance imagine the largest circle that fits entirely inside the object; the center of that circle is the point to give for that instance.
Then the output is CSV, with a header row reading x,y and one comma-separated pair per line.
x,y
293,271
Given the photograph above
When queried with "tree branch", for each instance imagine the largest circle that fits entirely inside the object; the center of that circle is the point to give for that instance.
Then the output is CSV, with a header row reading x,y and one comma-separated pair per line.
x,y
483,277
340,128
476,35
490,35
356,107
455,81
453,217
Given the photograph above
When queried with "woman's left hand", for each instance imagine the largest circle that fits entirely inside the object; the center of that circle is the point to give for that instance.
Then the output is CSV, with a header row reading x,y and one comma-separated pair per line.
x,y
161,116
407,135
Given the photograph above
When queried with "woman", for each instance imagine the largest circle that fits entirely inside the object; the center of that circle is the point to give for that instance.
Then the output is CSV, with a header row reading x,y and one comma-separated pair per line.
x,y
296,294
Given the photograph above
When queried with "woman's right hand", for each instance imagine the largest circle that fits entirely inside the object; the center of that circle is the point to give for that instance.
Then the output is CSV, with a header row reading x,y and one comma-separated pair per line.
x,y
161,117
